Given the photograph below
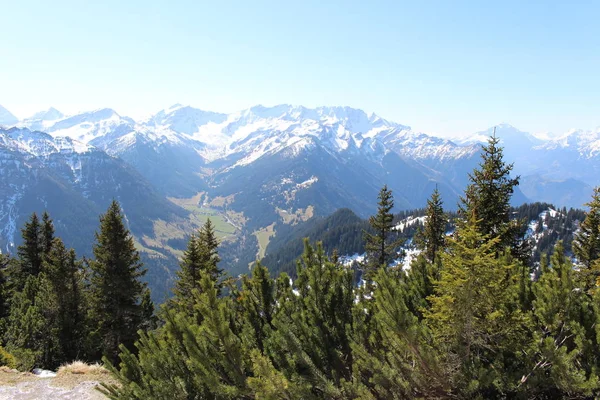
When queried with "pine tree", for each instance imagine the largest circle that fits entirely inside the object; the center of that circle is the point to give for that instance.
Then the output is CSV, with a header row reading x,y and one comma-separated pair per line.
x,y
67,282
200,259
472,315
256,306
311,343
6,263
558,362
487,200
208,244
188,275
46,234
116,288
381,247
586,243
29,253
28,335
396,361
187,360
431,238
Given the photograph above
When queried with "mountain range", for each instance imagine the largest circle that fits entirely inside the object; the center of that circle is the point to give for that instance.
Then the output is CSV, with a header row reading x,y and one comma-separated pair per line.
x,y
256,170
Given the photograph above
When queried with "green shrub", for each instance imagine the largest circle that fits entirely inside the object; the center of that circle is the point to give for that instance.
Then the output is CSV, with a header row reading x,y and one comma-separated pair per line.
x,y
7,359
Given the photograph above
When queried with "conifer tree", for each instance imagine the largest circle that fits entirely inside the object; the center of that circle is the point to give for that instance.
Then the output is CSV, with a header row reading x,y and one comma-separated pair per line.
x,y
200,259
381,246
67,282
472,315
116,286
46,234
29,253
28,335
256,306
189,273
586,243
5,265
396,360
431,238
312,343
209,255
558,358
185,359
487,200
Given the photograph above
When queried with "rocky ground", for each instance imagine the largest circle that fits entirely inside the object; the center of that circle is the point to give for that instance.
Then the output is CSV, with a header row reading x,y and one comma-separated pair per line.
x,y
75,385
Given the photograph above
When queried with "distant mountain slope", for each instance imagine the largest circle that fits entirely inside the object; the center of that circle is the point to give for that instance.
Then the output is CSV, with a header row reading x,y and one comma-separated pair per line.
x,y
344,231
75,183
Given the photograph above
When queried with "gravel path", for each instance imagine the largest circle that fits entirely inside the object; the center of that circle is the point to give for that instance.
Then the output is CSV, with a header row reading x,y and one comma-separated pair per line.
x,y
42,389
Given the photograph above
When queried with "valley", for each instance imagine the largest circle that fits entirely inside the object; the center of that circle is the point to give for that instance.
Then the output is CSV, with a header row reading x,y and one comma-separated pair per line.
x,y
258,173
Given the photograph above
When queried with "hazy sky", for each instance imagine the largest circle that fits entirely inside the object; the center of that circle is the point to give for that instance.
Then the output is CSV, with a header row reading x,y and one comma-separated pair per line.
x,y
445,67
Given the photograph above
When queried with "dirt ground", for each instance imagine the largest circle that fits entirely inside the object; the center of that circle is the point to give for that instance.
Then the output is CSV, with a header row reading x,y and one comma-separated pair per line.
x,y
17,385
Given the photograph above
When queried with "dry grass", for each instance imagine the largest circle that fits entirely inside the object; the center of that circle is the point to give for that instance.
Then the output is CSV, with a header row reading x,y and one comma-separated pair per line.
x,y
10,377
81,368
70,375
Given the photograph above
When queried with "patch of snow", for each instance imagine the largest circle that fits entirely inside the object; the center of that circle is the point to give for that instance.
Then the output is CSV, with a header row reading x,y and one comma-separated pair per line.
x,y
43,373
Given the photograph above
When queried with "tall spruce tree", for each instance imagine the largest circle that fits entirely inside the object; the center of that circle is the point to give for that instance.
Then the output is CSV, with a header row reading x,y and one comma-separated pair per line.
x,y
116,286
46,234
430,240
188,275
66,276
487,200
29,252
200,259
381,245
209,254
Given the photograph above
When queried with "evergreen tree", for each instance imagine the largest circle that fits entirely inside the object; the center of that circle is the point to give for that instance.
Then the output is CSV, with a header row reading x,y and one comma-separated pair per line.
x,y
187,360
312,345
5,265
256,306
188,275
558,363
472,316
586,243
29,253
209,255
116,288
432,237
67,282
487,200
381,246
28,335
397,360
46,234
200,259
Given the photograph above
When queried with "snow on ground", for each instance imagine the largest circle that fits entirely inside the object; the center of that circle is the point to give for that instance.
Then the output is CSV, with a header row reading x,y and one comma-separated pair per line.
x,y
409,222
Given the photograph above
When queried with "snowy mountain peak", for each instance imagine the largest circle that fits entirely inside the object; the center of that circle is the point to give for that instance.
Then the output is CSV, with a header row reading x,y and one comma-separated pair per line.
x,y
39,144
7,118
51,114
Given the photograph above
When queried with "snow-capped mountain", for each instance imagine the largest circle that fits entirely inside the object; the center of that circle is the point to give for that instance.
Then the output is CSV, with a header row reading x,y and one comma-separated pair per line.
x,y
42,120
7,118
182,150
269,166
585,143
74,181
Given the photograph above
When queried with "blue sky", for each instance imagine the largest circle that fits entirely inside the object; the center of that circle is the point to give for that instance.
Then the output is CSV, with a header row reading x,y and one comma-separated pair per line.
x,y
444,67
